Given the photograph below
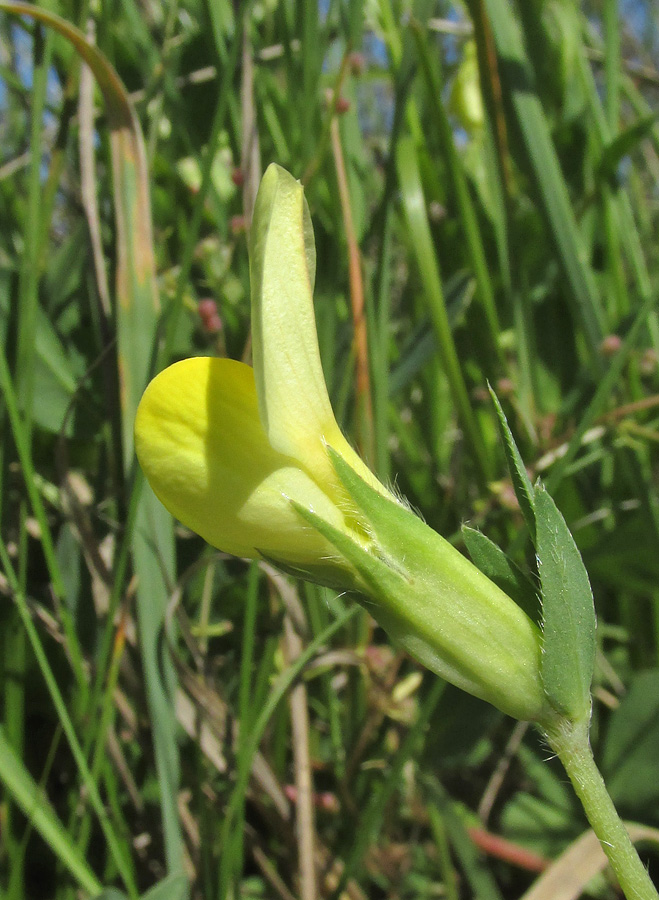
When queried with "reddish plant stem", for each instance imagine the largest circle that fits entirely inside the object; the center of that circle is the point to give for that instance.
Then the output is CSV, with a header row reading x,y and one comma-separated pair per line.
x,y
365,430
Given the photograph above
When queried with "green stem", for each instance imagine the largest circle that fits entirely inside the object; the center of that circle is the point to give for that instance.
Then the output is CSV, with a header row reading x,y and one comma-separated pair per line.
x,y
571,744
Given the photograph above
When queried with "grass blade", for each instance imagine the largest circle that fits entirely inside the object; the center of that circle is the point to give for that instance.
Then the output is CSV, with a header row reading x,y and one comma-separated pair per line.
x,y
115,847
29,796
426,258
546,171
464,203
138,312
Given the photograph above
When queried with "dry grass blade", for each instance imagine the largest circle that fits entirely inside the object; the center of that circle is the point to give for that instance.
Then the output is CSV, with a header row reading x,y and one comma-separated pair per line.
x,y
567,877
136,285
304,822
88,178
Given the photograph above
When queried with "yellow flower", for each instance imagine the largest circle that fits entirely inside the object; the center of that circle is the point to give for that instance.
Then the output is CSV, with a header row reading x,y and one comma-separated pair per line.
x,y
203,448
226,447
254,461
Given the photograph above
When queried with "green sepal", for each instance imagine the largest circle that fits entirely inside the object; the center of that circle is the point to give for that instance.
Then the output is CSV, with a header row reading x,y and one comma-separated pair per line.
x,y
405,612
505,573
518,474
326,576
568,613
398,529
434,602
372,571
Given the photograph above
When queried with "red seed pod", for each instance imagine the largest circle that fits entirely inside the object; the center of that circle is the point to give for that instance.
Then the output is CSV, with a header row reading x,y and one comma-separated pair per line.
x,y
238,177
342,105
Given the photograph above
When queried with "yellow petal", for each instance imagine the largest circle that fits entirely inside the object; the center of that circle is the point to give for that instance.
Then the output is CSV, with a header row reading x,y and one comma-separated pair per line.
x,y
200,442
293,400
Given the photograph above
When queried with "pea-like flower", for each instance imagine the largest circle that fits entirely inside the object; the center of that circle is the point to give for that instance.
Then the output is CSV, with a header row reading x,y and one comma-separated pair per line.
x,y
253,460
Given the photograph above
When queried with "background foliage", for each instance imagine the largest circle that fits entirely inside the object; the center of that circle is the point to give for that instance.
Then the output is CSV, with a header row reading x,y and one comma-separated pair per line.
x,y
484,185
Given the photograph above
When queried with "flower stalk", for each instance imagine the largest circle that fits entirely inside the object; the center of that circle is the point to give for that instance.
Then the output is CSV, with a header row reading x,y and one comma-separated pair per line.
x,y
572,746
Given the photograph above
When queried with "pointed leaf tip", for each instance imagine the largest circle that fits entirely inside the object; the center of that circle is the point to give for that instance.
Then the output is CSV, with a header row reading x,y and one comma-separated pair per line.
x,y
519,476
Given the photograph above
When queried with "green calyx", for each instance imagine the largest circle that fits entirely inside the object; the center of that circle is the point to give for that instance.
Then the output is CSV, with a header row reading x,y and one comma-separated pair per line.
x,y
436,604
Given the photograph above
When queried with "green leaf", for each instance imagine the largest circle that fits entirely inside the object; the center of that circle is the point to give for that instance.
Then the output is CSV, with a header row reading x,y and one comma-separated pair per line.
x,y
174,887
110,894
477,874
422,246
54,377
629,761
465,207
373,814
545,170
623,144
506,574
29,796
568,612
521,481
547,818
64,275
138,313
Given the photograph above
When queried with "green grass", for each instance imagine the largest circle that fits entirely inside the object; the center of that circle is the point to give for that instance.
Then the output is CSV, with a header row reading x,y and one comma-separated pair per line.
x,y
149,722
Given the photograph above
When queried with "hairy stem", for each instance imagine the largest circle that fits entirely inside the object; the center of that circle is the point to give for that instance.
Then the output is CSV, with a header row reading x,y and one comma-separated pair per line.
x,y
571,744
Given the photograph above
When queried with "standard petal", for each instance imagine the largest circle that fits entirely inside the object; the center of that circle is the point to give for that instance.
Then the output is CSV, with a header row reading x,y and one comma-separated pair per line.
x,y
293,400
200,442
